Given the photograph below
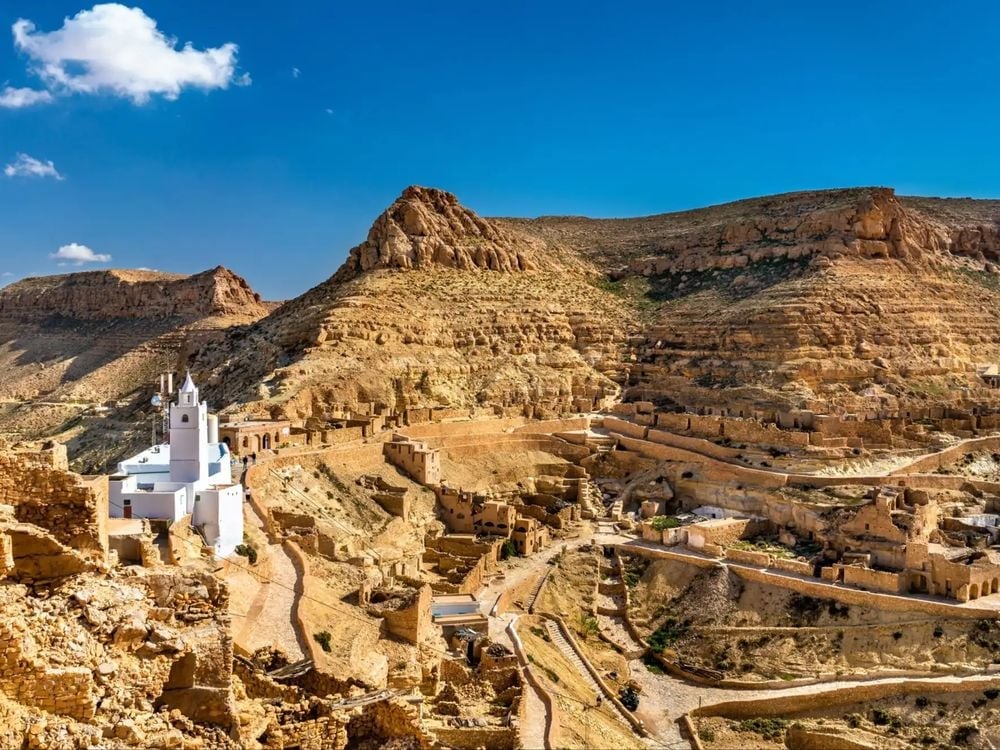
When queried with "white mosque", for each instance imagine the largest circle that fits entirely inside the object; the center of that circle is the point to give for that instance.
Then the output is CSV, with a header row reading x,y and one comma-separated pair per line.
x,y
190,475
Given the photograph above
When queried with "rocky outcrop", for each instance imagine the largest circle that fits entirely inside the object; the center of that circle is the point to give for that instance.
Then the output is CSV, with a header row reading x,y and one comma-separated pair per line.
x,y
113,295
834,300
867,223
426,227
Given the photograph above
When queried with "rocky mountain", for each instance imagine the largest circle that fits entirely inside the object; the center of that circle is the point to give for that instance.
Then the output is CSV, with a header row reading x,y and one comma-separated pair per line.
x,y
77,342
119,294
830,300
437,306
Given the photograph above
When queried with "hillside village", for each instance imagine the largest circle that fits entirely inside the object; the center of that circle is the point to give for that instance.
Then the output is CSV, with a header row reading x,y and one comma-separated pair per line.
x,y
544,522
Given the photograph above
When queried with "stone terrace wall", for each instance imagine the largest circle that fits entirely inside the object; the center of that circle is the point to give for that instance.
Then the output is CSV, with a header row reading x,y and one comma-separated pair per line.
x,y
486,444
819,589
820,700
446,429
874,579
75,511
929,464
68,691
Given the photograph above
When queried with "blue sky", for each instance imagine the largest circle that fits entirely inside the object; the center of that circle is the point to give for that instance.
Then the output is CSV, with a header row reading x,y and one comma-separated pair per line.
x,y
520,108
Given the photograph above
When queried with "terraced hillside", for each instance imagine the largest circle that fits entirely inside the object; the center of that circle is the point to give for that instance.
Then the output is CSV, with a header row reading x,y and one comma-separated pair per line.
x,y
832,300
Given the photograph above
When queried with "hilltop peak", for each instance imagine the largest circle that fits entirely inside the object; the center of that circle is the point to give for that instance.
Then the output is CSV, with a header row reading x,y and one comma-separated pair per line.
x,y
428,227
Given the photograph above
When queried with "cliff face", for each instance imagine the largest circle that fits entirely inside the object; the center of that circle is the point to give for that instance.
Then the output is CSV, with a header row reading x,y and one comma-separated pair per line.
x,y
111,295
835,300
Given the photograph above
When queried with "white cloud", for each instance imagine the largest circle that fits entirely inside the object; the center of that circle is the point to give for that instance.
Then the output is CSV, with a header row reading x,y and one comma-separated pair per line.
x,y
296,72
78,255
119,50
29,166
12,98
328,111
6,274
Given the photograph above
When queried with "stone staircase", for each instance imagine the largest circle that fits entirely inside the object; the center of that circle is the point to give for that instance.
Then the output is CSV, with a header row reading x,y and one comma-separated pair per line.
x,y
536,591
611,610
567,650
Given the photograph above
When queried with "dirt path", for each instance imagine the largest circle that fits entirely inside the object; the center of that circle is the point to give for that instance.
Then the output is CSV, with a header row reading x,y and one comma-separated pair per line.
x,y
532,728
269,618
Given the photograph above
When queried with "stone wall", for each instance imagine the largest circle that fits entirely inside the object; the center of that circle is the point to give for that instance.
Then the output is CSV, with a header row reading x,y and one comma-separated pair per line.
x,y
476,738
821,590
746,556
73,509
930,464
321,733
68,690
35,554
875,580
414,623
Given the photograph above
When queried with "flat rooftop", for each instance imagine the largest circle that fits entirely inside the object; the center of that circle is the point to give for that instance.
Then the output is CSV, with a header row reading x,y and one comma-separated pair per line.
x,y
124,526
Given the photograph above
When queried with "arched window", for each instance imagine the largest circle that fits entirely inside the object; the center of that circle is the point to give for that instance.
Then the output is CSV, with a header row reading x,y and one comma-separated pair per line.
x,y
185,419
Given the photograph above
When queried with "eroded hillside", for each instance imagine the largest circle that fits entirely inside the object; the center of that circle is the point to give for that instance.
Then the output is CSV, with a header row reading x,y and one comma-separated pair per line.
x,y
832,301
437,306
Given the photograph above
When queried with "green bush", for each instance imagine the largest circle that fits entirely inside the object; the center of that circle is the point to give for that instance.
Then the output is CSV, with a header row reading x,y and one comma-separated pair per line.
x,y
247,551
629,698
665,522
881,718
769,729
323,639
667,635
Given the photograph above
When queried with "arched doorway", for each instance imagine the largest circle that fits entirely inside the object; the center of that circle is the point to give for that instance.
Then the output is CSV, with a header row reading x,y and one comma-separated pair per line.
x,y
973,591
266,442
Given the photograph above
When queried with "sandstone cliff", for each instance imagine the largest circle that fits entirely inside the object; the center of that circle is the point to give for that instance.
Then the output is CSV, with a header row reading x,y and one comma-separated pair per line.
x,y
116,294
437,307
832,300
426,227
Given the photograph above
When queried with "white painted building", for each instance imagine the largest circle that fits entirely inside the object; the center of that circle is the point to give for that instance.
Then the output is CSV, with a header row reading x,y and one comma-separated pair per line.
x,y
192,475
